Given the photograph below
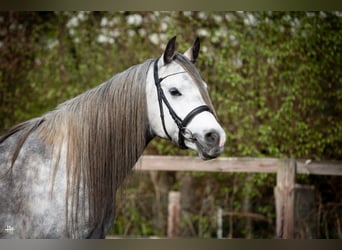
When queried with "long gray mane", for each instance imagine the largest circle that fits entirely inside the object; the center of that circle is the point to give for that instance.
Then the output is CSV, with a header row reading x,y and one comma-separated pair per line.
x,y
102,132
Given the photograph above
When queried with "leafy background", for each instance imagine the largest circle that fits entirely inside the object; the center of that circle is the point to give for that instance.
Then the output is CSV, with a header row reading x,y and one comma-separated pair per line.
x,y
274,77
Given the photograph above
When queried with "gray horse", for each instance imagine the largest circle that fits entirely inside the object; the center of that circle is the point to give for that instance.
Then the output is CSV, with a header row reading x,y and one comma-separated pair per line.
x,y
59,173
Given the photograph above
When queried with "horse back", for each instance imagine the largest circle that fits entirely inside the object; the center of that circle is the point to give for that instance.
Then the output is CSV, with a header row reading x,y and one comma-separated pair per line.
x,y
25,181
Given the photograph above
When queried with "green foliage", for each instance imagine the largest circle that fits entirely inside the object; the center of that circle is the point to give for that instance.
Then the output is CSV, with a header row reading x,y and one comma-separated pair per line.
x,y
274,78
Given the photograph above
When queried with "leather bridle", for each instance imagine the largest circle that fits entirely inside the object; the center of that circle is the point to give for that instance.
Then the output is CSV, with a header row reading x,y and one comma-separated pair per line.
x,y
184,133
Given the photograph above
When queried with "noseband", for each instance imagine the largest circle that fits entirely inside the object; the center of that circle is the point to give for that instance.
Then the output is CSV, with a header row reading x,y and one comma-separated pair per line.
x,y
184,133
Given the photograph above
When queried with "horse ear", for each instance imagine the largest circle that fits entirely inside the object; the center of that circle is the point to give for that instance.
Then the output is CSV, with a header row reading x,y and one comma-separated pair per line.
x,y
170,50
192,53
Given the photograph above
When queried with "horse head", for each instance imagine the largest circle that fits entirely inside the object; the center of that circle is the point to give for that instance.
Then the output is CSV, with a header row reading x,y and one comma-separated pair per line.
x,y
179,107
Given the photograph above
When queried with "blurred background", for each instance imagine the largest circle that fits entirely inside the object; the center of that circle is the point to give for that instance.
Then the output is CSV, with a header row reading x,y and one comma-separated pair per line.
x,y
275,79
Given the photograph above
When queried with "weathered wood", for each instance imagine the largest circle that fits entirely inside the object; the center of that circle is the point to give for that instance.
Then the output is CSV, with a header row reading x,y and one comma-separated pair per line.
x,y
254,216
284,197
319,168
219,223
233,164
173,214
222,164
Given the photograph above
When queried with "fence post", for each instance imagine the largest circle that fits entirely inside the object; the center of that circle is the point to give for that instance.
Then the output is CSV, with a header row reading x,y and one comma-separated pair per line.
x,y
173,214
284,198
219,223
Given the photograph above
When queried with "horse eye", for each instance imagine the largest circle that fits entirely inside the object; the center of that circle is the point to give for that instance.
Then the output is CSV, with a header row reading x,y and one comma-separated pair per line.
x,y
175,92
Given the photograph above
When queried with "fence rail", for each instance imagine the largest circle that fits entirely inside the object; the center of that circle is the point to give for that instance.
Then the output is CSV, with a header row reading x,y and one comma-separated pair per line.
x,y
286,191
234,164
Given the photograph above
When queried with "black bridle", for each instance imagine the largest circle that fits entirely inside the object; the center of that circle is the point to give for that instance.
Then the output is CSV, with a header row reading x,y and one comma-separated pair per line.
x,y
184,133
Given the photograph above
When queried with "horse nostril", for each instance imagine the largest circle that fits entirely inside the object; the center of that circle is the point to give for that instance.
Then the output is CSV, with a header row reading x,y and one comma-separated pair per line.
x,y
212,138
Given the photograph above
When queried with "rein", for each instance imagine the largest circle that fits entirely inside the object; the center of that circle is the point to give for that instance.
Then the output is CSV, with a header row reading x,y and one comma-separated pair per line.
x,y
184,133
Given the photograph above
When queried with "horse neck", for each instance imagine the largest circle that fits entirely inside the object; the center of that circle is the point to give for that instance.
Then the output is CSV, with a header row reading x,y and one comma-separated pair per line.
x,y
106,130
113,124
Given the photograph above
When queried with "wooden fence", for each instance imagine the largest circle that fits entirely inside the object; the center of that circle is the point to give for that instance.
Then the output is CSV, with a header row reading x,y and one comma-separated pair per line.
x,y
286,190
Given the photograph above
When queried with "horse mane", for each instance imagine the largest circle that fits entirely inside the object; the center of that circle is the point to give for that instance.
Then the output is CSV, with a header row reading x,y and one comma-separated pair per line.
x,y
103,131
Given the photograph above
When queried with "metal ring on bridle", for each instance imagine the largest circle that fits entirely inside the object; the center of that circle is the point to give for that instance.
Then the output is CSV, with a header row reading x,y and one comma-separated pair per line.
x,y
187,134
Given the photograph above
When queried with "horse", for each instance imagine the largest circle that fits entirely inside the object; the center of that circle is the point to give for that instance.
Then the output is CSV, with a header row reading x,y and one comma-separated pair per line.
x,y
59,172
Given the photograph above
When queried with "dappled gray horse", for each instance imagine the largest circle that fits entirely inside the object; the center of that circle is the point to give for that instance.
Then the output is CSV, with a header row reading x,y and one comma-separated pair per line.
x,y
59,173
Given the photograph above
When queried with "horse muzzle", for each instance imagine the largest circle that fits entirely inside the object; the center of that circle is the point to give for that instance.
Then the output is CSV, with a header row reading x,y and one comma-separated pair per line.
x,y
211,144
